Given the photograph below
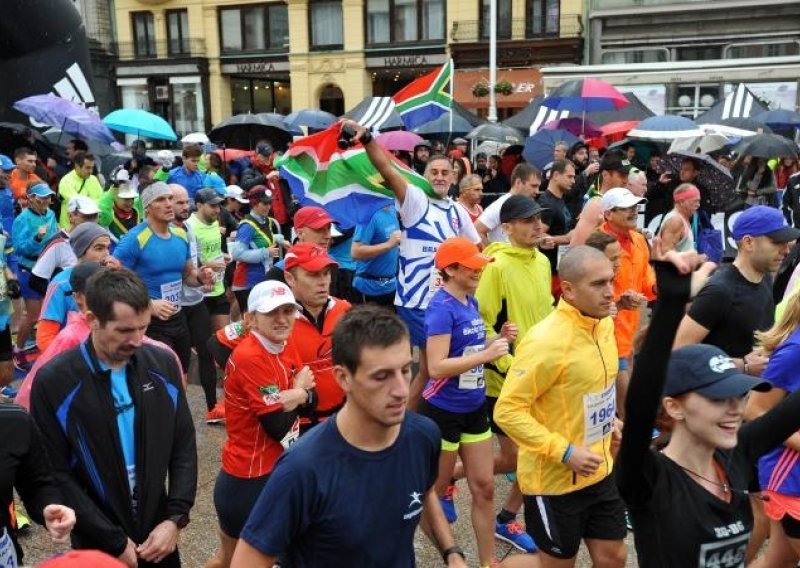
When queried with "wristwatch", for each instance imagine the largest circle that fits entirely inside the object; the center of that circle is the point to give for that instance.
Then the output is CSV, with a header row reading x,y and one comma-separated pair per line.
x,y
180,520
452,550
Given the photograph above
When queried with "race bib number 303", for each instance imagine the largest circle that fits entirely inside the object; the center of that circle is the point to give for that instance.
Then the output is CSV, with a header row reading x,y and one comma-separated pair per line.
x,y
599,410
171,292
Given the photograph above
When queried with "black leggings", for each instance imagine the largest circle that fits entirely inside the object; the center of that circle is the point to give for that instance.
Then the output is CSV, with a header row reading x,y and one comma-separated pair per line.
x,y
175,333
199,323
234,498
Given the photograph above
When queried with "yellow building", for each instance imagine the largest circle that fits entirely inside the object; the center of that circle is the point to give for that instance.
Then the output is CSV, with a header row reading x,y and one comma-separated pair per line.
x,y
197,62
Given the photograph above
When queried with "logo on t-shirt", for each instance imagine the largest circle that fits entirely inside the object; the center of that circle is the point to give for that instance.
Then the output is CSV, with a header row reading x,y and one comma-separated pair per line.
x,y
416,501
270,394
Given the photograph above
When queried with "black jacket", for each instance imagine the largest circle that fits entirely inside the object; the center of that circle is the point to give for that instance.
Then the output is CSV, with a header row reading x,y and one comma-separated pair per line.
x,y
72,404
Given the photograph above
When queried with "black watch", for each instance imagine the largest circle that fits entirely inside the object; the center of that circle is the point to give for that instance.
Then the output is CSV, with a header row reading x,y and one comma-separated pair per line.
x,y
452,550
180,520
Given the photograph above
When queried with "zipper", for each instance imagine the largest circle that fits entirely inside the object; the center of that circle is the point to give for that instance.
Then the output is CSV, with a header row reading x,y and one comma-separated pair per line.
x,y
605,384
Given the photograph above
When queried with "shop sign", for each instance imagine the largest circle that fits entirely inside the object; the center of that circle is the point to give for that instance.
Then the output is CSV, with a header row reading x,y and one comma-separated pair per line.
x,y
251,67
393,61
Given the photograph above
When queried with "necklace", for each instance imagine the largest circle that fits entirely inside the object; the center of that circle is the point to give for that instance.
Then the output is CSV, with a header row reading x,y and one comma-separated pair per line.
x,y
724,486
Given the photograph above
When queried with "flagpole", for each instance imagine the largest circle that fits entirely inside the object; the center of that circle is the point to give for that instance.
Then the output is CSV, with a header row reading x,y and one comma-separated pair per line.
x,y
452,89
492,116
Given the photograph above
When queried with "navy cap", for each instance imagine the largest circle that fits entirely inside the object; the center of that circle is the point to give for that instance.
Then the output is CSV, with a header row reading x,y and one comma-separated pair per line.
x,y
613,161
519,207
208,196
708,371
264,149
765,221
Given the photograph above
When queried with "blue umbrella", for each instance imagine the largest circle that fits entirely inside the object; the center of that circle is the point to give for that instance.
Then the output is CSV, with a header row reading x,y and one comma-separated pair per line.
x,y
68,116
312,118
140,123
539,147
665,128
780,119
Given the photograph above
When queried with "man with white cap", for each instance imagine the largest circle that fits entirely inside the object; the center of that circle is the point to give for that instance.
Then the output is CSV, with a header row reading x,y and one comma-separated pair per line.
x,y
120,208
80,181
159,253
634,282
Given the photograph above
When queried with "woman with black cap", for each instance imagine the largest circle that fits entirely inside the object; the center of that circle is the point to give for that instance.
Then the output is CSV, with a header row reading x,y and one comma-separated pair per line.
x,y
688,499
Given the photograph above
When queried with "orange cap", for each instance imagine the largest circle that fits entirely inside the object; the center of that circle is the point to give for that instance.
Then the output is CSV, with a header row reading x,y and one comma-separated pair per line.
x,y
458,250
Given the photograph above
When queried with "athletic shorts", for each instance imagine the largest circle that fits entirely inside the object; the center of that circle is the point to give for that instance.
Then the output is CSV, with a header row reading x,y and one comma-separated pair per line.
x,y
490,404
6,349
414,319
558,523
175,333
234,498
458,427
217,305
24,275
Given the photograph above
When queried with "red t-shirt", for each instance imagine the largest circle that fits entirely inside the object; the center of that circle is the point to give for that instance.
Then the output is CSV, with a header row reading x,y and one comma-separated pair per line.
x,y
254,378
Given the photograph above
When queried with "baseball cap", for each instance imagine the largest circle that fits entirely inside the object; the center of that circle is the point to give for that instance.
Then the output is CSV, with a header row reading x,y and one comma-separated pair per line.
x,y
613,161
423,144
83,205
458,250
208,196
6,164
708,371
268,295
40,190
264,149
237,193
82,559
313,217
81,273
259,193
309,256
519,207
766,221
459,141
122,175
620,198
127,191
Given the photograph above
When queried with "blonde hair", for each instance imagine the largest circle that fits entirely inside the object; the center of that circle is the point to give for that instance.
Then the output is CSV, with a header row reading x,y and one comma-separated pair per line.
x,y
770,339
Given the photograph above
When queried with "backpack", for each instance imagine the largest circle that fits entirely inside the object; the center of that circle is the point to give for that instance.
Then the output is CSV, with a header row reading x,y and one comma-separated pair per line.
x,y
709,239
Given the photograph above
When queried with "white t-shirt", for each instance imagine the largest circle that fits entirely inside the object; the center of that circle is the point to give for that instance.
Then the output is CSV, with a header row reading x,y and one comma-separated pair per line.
x,y
425,224
491,220
57,254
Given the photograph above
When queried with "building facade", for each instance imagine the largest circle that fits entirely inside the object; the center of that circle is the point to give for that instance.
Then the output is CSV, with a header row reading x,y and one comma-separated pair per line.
x,y
196,62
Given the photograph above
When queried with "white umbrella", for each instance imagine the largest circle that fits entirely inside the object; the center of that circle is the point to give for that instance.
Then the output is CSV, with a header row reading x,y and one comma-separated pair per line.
x,y
196,138
726,130
698,144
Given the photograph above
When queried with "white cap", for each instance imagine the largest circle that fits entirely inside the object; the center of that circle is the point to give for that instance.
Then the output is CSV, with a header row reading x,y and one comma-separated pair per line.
x,y
122,175
165,156
83,205
269,295
127,191
620,197
237,193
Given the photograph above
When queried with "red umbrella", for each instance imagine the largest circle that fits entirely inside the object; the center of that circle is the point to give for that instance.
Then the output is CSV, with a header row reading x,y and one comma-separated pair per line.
x,y
616,131
575,125
230,154
586,95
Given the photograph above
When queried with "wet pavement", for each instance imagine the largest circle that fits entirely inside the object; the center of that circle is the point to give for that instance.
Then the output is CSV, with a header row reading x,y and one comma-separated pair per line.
x,y
199,540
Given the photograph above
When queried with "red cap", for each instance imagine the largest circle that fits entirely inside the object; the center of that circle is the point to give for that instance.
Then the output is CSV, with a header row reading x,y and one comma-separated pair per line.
x,y
458,250
83,559
312,217
309,256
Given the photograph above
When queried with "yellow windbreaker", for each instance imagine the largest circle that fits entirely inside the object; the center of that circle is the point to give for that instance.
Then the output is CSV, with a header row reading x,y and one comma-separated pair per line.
x,y
516,288
560,390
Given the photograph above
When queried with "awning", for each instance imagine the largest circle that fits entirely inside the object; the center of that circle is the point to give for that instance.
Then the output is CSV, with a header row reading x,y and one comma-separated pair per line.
x,y
527,84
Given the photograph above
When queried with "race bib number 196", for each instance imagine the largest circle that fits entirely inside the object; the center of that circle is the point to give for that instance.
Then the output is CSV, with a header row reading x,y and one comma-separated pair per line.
x,y
598,414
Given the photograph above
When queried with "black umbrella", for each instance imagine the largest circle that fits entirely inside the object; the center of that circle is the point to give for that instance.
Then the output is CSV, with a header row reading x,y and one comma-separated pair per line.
x,y
463,121
244,130
498,133
714,181
746,123
767,146
376,114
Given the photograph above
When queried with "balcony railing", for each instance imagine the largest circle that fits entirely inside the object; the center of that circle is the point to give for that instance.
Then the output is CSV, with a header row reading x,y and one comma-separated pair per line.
x,y
609,4
471,31
161,49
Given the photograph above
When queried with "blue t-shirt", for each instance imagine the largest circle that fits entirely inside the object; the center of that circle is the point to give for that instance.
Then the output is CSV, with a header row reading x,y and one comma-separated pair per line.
x,y
340,252
59,299
446,315
126,419
191,181
158,261
383,223
779,469
330,504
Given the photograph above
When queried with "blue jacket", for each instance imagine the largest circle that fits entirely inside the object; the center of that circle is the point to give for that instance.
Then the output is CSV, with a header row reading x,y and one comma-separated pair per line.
x,y
23,235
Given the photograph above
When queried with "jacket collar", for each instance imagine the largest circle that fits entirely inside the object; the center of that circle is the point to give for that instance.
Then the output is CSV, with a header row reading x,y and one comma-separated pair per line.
x,y
573,314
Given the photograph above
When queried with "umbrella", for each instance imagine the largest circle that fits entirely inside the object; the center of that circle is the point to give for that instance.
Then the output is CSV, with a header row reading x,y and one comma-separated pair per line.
x,y
399,140
312,118
57,138
244,130
585,95
539,147
65,114
714,180
140,123
272,116
496,132
574,125
376,114
699,144
727,131
746,124
767,146
781,118
457,122
644,148
196,138
665,128
490,147
231,154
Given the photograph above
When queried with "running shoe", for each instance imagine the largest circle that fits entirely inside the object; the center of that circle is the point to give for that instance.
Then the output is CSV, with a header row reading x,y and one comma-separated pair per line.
x,y
8,392
217,414
20,361
511,476
448,505
23,522
514,534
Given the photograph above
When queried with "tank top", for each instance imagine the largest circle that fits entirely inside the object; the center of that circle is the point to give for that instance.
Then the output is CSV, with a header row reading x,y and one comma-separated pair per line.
x,y
687,241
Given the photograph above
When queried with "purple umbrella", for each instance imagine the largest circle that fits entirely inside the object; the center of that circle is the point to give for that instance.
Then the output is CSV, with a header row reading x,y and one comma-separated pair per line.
x,y
576,126
399,140
69,116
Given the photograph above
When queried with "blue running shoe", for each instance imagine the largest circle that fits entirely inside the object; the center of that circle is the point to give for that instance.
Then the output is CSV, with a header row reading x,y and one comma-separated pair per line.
x,y
448,505
514,534
512,477
8,392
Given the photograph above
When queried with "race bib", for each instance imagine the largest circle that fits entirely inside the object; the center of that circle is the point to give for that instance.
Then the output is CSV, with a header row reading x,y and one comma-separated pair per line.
x,y
599,410
8,555
728,553
472,379
435,281
292,435
171,292
219,274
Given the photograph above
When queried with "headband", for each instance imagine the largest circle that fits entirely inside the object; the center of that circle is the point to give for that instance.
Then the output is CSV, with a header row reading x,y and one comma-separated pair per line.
x,y
691,193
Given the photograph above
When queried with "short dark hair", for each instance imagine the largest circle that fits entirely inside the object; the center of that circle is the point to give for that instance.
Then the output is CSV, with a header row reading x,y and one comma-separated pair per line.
x,y
561,166
80,157
192,151
523,171
600,240
79,145
213,160
109,286
365,326
23,151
